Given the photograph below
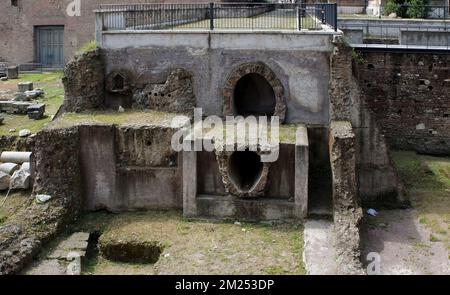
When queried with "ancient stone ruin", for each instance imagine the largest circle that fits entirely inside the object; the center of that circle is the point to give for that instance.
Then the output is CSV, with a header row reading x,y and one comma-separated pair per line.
x,y
323,166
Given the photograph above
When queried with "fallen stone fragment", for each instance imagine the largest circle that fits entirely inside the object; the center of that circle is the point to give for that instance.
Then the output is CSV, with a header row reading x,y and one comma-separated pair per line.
x,y
372,212
41,199
25,166
9,168
4,181
25,86
39,91
77,242
24,133
4,78
15,157
12,72
21,96
36,111
20,180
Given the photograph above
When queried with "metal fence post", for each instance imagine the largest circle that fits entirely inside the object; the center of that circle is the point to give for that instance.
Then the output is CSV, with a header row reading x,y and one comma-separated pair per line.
x,y
299,18
211,16
335,17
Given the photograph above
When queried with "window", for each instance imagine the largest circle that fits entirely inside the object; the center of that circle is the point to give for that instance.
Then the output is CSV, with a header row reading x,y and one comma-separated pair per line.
x,y
15,3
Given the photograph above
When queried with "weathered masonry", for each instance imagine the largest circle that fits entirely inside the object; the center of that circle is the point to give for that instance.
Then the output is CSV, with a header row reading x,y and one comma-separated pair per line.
x,y
299,72
142,87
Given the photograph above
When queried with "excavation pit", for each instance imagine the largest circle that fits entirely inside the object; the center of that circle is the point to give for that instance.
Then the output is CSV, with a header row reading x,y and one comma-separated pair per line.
x,y
130,250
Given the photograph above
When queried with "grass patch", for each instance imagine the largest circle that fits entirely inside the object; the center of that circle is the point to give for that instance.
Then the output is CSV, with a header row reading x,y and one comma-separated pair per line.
x,y
423,220
147,117
199,247
89,46
428,181
2,218
434,239
423,172
53,99
275,20
15,202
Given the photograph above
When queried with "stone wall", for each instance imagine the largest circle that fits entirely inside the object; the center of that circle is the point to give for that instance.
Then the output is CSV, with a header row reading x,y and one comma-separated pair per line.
x,y
408,93
15,143
84,82
129,168
299,62
378,181
347,210
57,173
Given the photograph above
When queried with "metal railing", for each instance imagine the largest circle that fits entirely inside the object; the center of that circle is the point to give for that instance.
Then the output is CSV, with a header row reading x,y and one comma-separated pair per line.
x,y
436,36
211,16
407,11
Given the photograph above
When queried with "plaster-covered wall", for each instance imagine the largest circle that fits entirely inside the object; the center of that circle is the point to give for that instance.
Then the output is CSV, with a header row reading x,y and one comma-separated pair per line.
x,y
129,168
300,62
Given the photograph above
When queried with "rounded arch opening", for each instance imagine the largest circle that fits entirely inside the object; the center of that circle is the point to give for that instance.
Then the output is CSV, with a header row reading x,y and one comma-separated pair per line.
x,y
254,96
245,169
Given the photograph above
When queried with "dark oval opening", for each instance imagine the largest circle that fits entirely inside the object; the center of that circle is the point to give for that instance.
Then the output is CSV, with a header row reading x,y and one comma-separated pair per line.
x,y
245,169
253,95
118,82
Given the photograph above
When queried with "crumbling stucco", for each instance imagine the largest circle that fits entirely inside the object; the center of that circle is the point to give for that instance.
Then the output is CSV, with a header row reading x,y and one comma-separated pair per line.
x,y
347,211
176,95
84,82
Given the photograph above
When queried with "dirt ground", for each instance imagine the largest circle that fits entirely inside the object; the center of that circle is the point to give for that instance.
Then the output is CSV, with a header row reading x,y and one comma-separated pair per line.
x,y
199,247
417,240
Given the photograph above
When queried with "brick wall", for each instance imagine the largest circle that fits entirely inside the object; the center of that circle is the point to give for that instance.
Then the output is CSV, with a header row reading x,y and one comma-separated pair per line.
x,y
17,25
409,93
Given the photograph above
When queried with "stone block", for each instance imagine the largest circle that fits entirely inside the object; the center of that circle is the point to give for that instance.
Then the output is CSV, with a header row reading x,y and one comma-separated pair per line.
x,y
24,86
24,133
4,181
25,166
20,180
14,107
9,168
346,206
12,72
15,157
36,111
21,96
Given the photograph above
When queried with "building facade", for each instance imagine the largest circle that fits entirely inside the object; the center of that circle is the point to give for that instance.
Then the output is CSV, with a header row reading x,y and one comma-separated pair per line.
x,y
49,32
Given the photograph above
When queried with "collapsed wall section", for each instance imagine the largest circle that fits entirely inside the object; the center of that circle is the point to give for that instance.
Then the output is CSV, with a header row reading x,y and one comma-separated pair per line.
x,y
57,173
377,179
347,210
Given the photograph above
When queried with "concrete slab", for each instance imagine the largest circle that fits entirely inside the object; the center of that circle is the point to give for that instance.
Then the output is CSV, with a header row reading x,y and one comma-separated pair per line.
x,y
319,252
